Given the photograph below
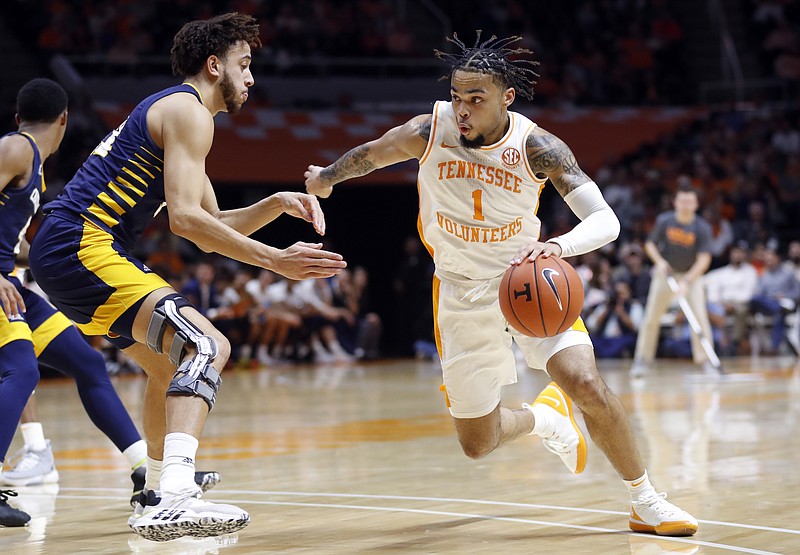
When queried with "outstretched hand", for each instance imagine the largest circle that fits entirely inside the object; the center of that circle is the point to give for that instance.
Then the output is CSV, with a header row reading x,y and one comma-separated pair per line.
x,y
305,207
308,260
533,249
314,185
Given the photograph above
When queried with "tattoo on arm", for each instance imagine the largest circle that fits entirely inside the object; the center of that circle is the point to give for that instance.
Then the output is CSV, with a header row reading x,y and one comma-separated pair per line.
x,y
549,155
425,129
353,163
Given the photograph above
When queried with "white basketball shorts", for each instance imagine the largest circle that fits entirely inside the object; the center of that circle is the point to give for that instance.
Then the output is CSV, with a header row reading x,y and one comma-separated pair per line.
x,y
475,344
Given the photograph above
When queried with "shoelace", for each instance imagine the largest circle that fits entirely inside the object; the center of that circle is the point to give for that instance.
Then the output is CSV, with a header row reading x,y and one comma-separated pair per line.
x,y
186,496
6,493
666,508
28,461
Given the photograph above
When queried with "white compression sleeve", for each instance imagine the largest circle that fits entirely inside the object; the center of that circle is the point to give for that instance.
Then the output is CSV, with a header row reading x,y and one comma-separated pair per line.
x,y
598,226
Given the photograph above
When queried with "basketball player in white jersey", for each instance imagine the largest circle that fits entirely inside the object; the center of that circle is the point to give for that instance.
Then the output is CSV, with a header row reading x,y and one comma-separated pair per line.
x,y
481,170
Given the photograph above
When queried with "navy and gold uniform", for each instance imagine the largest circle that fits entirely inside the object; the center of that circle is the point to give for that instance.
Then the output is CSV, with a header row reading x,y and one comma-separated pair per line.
x,y
42,334
40,323
17,207
80,255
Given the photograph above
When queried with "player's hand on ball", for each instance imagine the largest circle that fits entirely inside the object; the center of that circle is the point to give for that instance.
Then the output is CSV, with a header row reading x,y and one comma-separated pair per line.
x,y
533,249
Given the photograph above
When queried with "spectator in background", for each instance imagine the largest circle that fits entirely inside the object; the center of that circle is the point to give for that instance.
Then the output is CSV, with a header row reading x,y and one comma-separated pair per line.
x,y
731,288
257,289
202,290
721,234
776,295
756,228
633,271
679,246
584,266
678,343
793,259
350,290
599,288
613,325
279,322
231,317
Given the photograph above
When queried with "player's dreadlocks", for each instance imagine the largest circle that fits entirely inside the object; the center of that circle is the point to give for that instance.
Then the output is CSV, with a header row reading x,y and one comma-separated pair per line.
x,y
492,56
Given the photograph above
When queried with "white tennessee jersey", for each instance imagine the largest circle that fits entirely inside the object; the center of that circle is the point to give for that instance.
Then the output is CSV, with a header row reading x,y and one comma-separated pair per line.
x,y
477,206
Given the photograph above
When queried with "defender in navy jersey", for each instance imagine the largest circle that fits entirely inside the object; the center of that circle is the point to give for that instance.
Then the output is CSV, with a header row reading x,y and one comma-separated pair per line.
x,y
30,327
80,258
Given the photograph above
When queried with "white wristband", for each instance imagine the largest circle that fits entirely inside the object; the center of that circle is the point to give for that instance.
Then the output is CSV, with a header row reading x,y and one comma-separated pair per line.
x,y
598,226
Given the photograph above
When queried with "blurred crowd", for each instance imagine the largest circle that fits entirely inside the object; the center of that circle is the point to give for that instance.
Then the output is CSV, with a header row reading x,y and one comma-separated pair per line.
x,y
597,52
616,51
745,164
776,36
751,294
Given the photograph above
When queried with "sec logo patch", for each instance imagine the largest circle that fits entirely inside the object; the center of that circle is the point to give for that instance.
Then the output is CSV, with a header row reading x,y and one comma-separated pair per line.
x,y
511,158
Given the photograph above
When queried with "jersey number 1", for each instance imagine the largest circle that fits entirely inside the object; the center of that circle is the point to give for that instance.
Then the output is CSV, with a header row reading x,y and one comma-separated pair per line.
x,y
477,199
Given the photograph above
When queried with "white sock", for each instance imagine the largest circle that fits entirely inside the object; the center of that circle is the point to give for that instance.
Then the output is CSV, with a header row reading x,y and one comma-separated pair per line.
x,y
542,426
33,434
136,453
152,480
640,488
177,473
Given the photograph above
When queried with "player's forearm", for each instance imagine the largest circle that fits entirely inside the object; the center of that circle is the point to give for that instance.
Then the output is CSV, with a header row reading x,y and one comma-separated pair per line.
x,y
252,218
354,163
211,235
598,226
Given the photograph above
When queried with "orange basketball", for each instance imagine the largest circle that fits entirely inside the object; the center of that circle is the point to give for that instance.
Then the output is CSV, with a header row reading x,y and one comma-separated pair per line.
x,y
541,298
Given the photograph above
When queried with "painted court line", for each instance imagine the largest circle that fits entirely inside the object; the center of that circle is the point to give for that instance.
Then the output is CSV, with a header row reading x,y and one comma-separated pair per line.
x,y
691,541
499,503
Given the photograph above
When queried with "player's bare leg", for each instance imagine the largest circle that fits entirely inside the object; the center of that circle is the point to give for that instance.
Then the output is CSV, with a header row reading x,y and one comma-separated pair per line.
x,y
574,369
550,417
481,436
185,409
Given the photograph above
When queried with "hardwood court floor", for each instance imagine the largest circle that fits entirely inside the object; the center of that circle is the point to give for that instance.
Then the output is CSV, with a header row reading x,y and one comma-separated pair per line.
x,y
363,459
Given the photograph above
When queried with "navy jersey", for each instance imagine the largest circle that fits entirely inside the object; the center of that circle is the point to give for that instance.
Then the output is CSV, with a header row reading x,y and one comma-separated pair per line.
x,y
17,207
120,187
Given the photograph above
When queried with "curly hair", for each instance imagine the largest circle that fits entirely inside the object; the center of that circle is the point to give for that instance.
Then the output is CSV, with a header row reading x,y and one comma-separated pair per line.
x,y
197,40
506,65
41,101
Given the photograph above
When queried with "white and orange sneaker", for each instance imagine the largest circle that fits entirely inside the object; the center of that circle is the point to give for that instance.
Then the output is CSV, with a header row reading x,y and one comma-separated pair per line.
x,y
656,515
563,436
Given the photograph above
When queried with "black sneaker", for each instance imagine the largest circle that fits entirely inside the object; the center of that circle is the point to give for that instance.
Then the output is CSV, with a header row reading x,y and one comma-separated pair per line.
x,y
10,516
205,479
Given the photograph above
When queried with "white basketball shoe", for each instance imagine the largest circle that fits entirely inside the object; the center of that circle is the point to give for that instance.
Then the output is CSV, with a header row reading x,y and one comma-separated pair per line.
x,y
166,517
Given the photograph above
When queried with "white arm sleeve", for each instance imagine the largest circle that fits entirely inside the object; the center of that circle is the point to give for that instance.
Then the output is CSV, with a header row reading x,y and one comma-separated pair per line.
x,y
598,226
